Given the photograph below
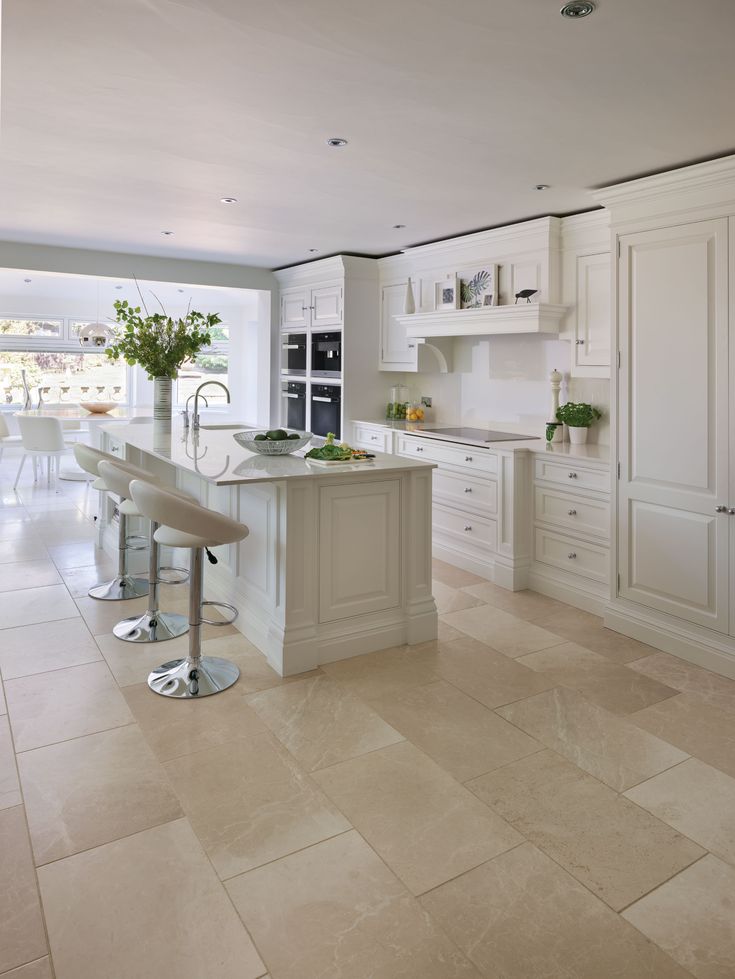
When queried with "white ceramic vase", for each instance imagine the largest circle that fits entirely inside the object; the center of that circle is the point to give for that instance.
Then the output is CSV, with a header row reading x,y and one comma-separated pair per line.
x,y
577,436
409,303
162,394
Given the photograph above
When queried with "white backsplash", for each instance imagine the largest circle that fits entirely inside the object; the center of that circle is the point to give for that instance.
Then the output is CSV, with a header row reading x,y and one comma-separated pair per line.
x,y
506,379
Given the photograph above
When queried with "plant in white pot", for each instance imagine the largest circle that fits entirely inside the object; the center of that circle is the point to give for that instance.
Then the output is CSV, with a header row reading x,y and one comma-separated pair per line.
x,y
160,344
577,418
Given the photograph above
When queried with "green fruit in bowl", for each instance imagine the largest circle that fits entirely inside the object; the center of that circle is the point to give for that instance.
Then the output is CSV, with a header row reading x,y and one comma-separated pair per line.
x,y
276,435
294,435
259,438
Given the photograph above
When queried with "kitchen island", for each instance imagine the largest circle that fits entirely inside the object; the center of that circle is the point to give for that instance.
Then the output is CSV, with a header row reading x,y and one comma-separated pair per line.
x,y
338,559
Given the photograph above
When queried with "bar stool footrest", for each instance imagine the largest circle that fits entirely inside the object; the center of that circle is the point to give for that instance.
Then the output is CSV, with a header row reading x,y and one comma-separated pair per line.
x,y
183,574
136,542
230,608
188,679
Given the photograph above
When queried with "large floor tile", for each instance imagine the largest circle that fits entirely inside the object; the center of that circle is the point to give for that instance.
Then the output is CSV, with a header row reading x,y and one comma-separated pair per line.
x,y
180,727
28,649
706,732
77,554
12,551
335,911
166,915
696,799
447,574
520,916
387,671
452,599
82,793
609,747
501,630
692,918
610,845
526,604
321,722
29,605
80,580
75,528
40,969
22,935
17,530
101,617
461,735
587,630
28,574
710,688
249,803
9,785
49,707
610,685
426,826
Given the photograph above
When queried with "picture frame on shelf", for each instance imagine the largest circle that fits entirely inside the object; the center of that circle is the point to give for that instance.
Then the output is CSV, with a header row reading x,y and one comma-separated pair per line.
x,y
480,289
446,293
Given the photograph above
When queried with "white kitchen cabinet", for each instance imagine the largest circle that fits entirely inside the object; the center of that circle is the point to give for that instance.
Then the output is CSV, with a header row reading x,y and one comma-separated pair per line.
x,y
312,308
397,352
295,309
591,345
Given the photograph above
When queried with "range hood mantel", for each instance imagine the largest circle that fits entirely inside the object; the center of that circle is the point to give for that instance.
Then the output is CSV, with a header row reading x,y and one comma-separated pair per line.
x,y
486,321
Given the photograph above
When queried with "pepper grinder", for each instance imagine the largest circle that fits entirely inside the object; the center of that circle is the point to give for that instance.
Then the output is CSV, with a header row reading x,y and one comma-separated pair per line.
x,y
555,377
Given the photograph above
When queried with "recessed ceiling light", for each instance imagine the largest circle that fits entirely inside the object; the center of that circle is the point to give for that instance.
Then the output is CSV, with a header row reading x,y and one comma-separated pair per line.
x,y
228,200
541,186
118,287
397,226
312,250
179,290
167,233
577,8
336,141
28,280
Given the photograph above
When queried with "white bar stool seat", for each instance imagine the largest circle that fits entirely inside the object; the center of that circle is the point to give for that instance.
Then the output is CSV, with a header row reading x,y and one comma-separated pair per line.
x,y
187,524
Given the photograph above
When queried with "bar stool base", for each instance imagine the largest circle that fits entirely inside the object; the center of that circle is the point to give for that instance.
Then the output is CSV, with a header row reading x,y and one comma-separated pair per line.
x,y
185,680
120,589
152,628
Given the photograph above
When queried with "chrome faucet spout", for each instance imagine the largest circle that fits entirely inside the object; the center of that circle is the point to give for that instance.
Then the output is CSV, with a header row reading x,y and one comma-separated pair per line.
x,y
195,418
185,412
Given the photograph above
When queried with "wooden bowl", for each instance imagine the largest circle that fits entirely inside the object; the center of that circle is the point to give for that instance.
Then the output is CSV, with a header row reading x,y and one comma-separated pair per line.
x,y
98,407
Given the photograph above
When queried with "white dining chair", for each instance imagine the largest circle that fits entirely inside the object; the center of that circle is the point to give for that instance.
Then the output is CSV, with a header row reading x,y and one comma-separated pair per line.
x,y
41,437
73,428
5,437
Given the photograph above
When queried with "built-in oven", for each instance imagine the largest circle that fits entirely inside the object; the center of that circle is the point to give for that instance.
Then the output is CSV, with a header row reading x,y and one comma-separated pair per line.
x,y
293,353
326,354
326,409
293,395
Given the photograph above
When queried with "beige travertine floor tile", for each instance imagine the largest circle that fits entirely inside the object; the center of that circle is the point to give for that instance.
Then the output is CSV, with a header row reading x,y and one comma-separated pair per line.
x,y
49,707
698,800
609,685
525,604
22,935
40,969
461,735
447,574
336,911
28,574
80,580
29,605
426,826
706,732
93,790
710,688
608,747
28,649
387,671
320,722
3,705
611,846
9,785
17,530
167,914
30,549
250,803
445,632
78,554
501,630
451,599
180,727
255,672
102,616
64,531
587,630
691,917
520,916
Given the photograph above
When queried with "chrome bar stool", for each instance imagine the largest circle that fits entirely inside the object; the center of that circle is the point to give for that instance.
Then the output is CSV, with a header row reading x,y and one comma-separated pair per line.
x,y
124,585
187,524
153,625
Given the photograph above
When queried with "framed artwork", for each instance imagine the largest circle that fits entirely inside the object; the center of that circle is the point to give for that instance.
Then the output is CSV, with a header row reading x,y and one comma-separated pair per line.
x,y
481,289
446,293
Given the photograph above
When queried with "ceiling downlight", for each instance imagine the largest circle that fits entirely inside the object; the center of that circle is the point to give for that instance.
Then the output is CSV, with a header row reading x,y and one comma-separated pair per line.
x,y
336,141
576,9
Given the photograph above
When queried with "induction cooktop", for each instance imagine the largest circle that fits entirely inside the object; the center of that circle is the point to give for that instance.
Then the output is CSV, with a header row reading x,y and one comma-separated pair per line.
x,y
474,436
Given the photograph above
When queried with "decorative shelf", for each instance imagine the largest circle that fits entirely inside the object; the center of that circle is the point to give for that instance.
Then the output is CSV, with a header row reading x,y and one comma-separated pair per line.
x,y
486,321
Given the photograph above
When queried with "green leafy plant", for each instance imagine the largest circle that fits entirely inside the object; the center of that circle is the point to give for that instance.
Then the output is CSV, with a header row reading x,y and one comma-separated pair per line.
x,y
157,342
577,415
470,290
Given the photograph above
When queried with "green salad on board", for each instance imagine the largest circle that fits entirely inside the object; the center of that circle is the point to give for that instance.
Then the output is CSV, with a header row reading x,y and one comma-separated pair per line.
x,y
329,452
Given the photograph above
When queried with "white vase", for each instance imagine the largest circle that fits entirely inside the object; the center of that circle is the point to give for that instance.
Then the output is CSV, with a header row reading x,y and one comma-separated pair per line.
x,y
409,303
577,436
162,392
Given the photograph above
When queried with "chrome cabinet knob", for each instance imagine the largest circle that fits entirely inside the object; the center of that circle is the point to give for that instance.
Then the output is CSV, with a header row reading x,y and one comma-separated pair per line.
x,y
721,509
468,528
468,489
571,555
572,475
579,342
572,513
731,510
468,458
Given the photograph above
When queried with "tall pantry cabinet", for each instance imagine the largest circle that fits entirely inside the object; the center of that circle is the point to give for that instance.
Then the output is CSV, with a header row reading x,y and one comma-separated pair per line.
x,y
674,563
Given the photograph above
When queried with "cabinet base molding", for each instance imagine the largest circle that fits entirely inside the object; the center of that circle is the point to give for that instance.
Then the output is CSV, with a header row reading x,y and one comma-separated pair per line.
x,y
581,593
703,648
490,568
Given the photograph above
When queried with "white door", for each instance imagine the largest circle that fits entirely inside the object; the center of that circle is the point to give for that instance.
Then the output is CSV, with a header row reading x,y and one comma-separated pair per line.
x,y
295,311
593,303
397,352
673,421
326,307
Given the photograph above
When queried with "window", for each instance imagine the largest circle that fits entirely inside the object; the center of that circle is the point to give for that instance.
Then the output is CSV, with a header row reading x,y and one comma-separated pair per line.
x,y
22,326
60,376
211,364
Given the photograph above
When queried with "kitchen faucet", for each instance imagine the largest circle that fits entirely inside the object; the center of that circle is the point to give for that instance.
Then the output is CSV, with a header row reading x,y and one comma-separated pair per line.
x,y
185,412
195,417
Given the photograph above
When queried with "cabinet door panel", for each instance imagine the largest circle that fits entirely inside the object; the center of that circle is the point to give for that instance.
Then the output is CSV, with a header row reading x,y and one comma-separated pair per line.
x,y
395,347
592,341
326,306
294,309
673,407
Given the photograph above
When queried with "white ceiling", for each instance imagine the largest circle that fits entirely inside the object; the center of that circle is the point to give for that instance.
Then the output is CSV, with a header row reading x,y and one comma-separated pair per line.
x,y
122,118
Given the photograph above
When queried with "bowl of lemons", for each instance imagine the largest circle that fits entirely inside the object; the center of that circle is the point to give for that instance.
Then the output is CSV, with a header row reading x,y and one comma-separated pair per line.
x,y
273,442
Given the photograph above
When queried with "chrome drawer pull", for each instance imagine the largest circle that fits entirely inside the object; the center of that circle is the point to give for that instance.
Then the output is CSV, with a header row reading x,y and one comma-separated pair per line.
x,y
720,509
580,342
468,528
572,475
468,458
572,513
419,448
374,438
468,489
571,556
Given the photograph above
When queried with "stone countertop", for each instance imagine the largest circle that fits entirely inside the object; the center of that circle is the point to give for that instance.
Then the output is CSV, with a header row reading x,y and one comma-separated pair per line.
x,y
214,455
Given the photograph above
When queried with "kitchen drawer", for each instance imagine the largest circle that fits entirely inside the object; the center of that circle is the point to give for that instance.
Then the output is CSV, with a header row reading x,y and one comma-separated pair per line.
x,y
377,439
469,528
465,490
573,476
579,557
569,511
464,457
